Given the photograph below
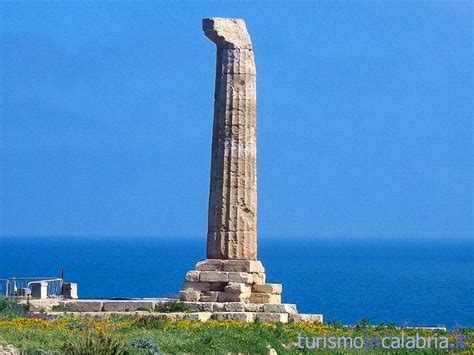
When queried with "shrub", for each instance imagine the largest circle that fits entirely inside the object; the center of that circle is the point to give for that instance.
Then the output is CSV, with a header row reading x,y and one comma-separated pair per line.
x,y
95,343
335,324
41,315
144,309
363,323
145,344
169,307
75,325
149,322
11,308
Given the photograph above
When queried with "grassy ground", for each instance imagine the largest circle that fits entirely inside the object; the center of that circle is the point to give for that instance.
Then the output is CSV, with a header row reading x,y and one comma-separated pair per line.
x,y
36,333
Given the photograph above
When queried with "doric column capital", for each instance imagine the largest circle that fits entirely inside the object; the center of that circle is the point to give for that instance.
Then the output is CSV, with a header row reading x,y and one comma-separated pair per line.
x,y
227,32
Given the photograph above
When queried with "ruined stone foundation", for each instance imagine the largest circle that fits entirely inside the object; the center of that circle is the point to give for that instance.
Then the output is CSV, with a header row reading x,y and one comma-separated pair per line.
x,y
217,280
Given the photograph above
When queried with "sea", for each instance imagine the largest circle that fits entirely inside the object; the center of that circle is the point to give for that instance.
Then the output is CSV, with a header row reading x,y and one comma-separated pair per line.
x,y
401,281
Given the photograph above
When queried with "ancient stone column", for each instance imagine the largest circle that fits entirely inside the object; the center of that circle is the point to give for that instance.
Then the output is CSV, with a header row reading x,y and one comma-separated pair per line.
x,y
231,271
232,221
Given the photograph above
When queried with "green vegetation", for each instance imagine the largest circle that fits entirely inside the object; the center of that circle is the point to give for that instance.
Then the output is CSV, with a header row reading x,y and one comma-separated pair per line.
x,y
11,308
169,307
40,333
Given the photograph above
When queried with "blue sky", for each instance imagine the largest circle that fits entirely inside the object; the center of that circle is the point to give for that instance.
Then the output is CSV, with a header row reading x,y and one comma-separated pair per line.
x,y
364,118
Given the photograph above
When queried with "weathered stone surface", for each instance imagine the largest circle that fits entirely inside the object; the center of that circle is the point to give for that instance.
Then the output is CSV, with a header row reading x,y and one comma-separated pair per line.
x,y
233,297
196,286
105,315
218,286
213,276
218,307
200,311
189,295
242,266
192,276
169,316
43,305
237,316
267,288
264,298
83,306
258,278
273,317
209,265
227,32
198,316
121,306
209,296
233,191
7,349
241,277
237,287
253,307
200,306
318,318
234,307
280,308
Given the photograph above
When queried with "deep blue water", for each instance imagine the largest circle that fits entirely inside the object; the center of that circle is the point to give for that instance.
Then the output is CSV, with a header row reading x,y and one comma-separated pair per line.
x,y
406,282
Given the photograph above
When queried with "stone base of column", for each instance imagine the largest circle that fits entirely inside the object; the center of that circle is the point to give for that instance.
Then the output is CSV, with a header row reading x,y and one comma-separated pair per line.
x,y
216,280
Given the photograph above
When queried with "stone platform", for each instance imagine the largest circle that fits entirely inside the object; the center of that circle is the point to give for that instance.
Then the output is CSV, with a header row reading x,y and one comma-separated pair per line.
x,y
217,280
200,311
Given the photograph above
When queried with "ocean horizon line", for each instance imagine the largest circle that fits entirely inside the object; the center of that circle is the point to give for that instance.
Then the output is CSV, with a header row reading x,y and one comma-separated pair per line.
x,y
261,237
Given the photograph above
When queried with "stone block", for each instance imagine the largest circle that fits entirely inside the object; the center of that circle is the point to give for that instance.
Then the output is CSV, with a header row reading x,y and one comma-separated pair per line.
x,y
8,349
213,276
234,307
170,316
192,276
209,265
280,308
241,277
159,303
264,298
242,266
233,297
267,288
258,278
237,287
199,306
237,316
193,306
218,307
253,307
198,316
218,286
196,286
209,296
318,318
44,305
206,306
272,317
83,306
189,295
127,306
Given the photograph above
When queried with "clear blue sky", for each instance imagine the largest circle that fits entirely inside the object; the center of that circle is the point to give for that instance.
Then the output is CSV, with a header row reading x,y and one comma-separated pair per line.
x,y
365,117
